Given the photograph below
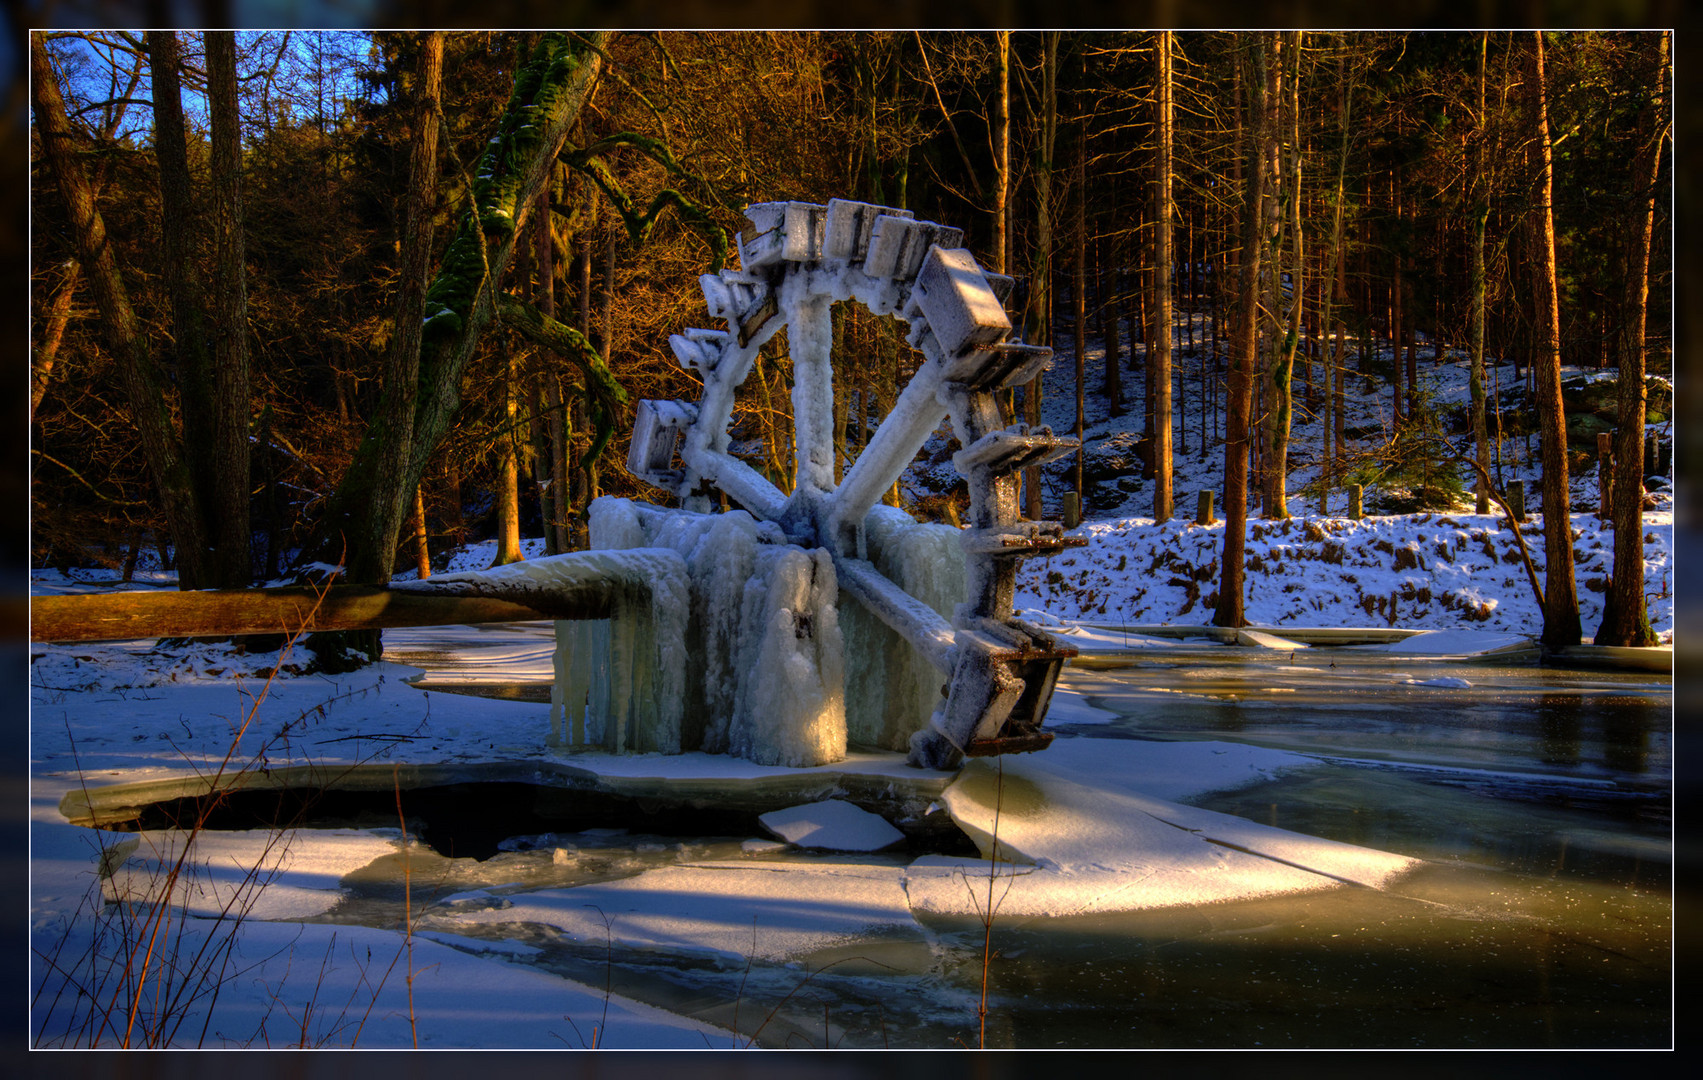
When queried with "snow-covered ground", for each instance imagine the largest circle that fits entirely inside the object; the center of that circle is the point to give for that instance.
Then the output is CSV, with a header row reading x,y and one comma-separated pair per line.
x,y
1108,835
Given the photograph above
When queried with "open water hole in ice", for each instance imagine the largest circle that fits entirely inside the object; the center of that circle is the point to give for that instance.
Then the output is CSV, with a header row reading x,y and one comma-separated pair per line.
x,y
1542,916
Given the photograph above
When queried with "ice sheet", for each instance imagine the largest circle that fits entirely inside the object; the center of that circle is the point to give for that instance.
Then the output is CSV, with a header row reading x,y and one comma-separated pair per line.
x,y
770,911
1108,848
257,874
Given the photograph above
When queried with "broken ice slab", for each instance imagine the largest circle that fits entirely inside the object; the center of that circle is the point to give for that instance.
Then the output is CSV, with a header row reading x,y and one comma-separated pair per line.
x,y
957,301
1259,639
832,825
1092,816
850,225
710,909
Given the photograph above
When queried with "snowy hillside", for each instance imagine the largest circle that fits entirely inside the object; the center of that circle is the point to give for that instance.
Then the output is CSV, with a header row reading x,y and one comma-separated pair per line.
x,y
1436,569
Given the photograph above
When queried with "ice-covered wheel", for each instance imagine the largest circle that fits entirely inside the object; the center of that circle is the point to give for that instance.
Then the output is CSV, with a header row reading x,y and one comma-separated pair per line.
x,y
797,260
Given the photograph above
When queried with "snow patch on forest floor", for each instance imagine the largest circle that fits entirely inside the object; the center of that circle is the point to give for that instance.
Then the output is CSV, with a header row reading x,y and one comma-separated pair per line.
x,y
1430,571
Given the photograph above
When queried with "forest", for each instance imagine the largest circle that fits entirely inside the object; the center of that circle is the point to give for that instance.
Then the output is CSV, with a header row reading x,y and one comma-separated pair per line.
x,y
310,299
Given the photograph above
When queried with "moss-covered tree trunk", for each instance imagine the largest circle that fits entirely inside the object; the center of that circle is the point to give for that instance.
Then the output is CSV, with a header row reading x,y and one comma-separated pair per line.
x,y
372,561
550,91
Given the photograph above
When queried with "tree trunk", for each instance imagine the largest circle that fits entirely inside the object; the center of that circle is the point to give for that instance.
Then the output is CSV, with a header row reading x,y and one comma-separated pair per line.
x,y
1230,608
181,240
1159,340
229,527
1281,407
1398,302
1561,601
1481,215
1079,305
370,543
1626,618
422,548
53,333
1001,151
1112,385
1331,287
1040,292
553,503
577,496
508,470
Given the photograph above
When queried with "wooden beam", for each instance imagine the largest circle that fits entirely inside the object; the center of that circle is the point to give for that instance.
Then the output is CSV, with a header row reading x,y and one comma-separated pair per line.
x,y
125,616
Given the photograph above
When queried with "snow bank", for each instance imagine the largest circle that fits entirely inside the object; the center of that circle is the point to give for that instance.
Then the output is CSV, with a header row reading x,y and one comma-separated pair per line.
x,y
1425,571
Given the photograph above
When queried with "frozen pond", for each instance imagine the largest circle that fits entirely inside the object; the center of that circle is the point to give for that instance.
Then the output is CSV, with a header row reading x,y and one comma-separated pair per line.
x,y
1539,799
1530,769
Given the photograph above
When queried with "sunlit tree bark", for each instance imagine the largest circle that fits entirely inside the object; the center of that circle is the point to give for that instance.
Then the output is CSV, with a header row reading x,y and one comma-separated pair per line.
x,y
1231,570
1159,338
1561,599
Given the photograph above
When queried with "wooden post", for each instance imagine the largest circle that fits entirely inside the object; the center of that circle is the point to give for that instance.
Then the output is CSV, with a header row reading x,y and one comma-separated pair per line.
x,y
1517,499
1354,493
1072,510
1605,473
1203,509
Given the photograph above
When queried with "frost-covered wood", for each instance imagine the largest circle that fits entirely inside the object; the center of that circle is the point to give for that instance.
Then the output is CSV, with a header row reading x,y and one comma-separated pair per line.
x,y
797,260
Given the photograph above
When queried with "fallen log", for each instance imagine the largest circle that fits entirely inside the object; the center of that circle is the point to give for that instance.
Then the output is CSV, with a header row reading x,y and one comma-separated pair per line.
x,y
126,616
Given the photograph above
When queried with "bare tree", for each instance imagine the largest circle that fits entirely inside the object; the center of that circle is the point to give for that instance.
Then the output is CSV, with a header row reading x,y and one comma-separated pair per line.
x,y
1230,602
1480,217
1040,292
1159,338
1561,599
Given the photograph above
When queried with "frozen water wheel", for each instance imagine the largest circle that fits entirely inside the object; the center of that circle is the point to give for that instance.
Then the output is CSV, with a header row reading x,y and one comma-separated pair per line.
x,y
796,262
